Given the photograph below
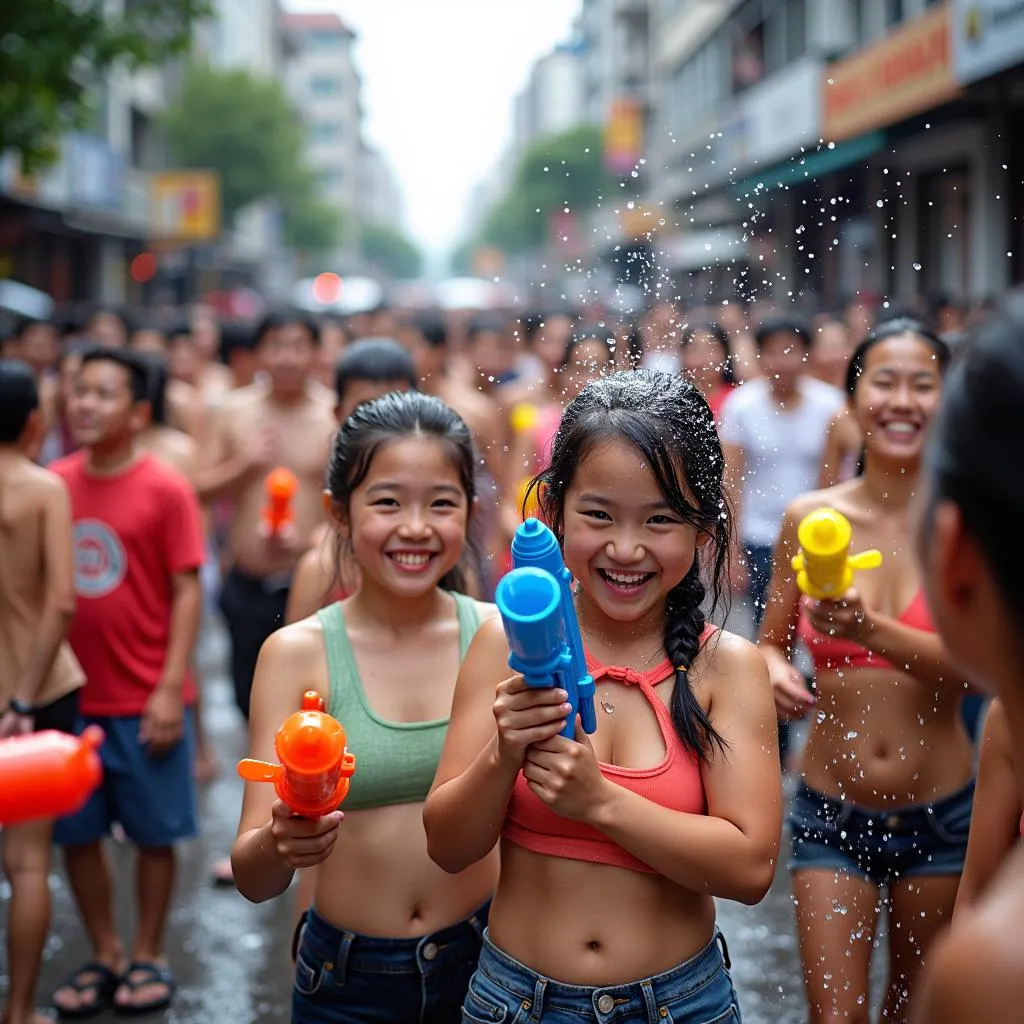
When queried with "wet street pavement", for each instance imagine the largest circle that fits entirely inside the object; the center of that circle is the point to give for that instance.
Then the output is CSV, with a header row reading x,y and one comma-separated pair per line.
x,y
231,959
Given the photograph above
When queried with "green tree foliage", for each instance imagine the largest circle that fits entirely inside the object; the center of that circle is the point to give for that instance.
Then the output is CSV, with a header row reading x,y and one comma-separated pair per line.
x,y
244,127
390,252
558,172
54,52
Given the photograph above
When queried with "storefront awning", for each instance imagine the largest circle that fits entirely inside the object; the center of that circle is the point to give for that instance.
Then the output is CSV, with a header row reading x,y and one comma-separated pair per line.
x,y
811,166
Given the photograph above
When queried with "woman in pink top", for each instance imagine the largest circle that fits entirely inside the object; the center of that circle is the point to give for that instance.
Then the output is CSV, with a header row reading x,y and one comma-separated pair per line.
x,y
615,845
884,803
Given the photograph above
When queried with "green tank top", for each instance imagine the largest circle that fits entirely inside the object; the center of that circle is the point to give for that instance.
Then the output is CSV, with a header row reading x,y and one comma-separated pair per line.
x,y
395,761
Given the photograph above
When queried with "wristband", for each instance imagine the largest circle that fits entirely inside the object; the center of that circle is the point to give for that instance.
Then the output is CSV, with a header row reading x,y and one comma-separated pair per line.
x,y
19,707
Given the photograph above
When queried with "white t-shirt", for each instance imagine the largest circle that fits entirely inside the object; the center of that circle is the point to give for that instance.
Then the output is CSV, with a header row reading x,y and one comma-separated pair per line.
x,y
782,449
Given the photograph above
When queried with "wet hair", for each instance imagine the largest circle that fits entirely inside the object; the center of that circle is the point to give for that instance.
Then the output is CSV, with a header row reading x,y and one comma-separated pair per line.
x,y
374,359
134,363
667,420
391,418
884,332
19,398
781,325
971,459
282,318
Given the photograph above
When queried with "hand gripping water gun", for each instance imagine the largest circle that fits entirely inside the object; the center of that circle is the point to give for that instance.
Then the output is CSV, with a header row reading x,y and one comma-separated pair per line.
x,y
535,602
48,774
312,778
278,513
824,565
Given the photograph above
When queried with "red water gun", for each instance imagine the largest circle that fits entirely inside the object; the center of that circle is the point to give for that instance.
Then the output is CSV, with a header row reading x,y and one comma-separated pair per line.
x,y
48,774
279,512
312,778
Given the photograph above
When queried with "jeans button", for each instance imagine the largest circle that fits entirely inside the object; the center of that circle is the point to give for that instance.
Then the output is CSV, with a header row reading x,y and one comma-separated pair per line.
x,y
892,821
430,951
606,1003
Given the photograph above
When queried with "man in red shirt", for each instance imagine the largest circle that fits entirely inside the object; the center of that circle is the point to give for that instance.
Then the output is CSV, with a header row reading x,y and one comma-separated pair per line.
x,y
138,541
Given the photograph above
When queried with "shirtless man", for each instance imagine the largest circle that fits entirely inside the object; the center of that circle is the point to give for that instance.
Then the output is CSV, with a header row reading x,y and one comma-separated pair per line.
x,y
426,340
39,676
284,420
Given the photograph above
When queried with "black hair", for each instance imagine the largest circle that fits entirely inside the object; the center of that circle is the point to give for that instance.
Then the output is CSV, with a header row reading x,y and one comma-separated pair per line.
x,y
157,377
374,359
389,418
721,335
235,334
432,328
486,324
133,362
668,421
971,458
594,332
282,318
781,325
19,398
893,329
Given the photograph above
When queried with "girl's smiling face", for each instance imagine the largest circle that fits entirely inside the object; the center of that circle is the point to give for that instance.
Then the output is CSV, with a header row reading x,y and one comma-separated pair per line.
x,y
407,519
623,542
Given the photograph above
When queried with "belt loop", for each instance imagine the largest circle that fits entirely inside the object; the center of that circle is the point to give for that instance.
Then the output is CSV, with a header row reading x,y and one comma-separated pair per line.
x,y
300,928
650,1002
725,950
341,958
538,998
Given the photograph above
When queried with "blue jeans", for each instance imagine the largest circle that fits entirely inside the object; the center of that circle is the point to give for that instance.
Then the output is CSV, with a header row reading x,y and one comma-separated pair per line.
x,y
880,846
698,991
342,977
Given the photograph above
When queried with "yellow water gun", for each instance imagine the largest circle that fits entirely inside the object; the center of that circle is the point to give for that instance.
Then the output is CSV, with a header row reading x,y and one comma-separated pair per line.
x,y
824,566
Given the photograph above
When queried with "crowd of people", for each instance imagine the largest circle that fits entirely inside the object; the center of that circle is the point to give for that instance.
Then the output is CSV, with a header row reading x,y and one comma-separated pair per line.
x,y
484,864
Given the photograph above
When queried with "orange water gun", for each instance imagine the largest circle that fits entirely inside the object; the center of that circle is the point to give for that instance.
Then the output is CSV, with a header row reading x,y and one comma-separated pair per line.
x,y
312,778
48,774
279,512
824,564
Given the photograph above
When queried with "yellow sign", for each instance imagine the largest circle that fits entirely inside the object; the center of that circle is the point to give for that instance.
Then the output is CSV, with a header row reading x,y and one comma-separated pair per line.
x,y
906,73
624,135
185,206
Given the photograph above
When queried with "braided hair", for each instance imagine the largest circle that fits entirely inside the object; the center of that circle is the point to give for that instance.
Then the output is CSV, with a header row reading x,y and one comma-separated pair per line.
x,y
668,421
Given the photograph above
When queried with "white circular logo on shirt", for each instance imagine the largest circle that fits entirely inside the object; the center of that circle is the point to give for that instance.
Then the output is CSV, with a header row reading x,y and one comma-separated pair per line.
x,y
99,558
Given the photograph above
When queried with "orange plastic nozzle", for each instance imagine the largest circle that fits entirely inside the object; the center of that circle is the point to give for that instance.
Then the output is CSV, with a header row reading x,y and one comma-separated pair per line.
x,y
312,778
48,774
280,486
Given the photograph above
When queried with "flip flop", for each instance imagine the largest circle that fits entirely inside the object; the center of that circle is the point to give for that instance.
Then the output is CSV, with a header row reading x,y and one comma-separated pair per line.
x,y
104,985
145,974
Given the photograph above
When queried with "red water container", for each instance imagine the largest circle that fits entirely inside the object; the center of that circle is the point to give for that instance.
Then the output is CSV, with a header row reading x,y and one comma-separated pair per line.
x,y
48,774
312,778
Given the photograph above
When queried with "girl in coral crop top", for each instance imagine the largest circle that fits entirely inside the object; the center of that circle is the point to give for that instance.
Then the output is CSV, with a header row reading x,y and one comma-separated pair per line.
x,y
614,845
885,797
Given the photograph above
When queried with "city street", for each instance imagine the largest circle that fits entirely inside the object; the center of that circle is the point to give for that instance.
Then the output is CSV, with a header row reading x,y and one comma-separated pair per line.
x,y
231,958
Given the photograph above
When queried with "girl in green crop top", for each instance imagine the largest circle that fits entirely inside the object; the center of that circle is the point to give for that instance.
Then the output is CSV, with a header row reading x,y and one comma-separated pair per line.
x,y
400,495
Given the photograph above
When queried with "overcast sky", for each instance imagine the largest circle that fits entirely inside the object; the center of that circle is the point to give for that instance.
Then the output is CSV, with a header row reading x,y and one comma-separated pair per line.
x,y
439,77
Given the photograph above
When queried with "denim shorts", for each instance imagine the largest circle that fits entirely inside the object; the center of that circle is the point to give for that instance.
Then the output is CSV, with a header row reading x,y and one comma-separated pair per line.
x,y
343,977
880,845
152,798
698,991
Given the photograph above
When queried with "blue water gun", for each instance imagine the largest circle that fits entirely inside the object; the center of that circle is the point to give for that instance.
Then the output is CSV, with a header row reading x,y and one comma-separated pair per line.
x,y
537,611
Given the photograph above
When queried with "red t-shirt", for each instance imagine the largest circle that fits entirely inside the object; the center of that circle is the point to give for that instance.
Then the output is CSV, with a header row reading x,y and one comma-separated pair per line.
x,y
132,533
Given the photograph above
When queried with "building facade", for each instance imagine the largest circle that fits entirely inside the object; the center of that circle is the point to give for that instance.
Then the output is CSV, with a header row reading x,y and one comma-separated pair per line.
x,y
835,147
324,85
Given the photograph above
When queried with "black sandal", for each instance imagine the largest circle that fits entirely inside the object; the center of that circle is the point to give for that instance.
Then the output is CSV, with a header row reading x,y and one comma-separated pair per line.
x,y
103,984
147,974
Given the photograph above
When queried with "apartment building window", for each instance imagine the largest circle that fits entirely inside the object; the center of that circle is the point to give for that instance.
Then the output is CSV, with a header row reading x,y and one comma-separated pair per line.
x,y
796,29
325,85
859,15
894,12
327,131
